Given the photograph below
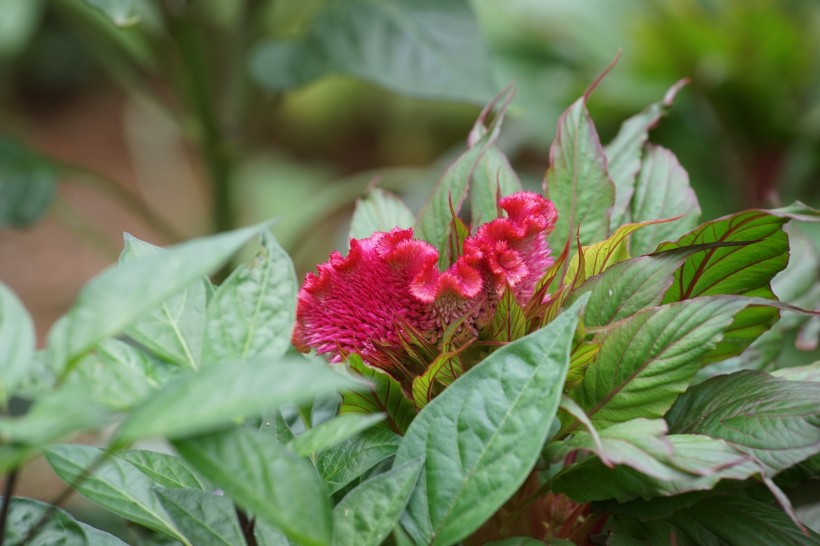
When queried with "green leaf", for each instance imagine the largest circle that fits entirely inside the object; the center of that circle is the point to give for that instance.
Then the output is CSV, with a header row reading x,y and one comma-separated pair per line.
x,y
809,372
203,517
273,424
647,360
379,211
421,48
662,191
625,151
175,328
21,19
344,462
233,390
114,484
481,437
493,177
164,469
28,183
774,419
577,179
60,529
16,342
121,12
509,322
121,294
265,478
332,432
251,314
367,514
385,396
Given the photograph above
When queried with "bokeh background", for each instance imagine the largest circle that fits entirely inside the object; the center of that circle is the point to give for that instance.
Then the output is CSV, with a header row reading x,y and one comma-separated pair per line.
x,y
171,119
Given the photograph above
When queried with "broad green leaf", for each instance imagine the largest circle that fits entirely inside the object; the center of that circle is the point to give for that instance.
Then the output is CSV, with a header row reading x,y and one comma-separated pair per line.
x,y
687,462
662,191
647,360
202,516
332,432
21,18
421,48
233,390
16,342
379,211
774,419
273,424
28,183
367,514
481,437
114,484
175,328
121,294
164,469
344,462
251,314
625,151
493,177
385,396
60,529
577,179
121,12
265,478
809,372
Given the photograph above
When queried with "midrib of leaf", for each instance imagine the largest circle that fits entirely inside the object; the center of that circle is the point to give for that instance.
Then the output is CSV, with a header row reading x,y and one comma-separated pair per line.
x,y
472,471
257,308
173,322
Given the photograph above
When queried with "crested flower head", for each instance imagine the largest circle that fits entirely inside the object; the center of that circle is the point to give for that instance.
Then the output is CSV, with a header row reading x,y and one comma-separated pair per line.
x,y
389,283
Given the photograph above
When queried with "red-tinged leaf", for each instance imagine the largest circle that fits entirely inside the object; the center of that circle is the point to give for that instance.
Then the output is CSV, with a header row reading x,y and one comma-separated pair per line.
x,y
458,233
493,179
385,396
441,373
540,298
582,355
625,151
509,322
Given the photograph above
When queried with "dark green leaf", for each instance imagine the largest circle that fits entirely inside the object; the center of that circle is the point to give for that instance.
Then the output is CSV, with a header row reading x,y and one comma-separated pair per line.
x,y
203,517
175,328
367,514
647,360
251,314
422,48
379,211
344,462
774,419
385,396
662,191
481,437
233,390
16,342
166,470
577,179
332,432
265,478
114,485
28,184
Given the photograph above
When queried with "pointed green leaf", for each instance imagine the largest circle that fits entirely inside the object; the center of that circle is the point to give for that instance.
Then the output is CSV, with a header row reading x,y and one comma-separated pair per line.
x,y
28,183
121,294
494,177
774,419
164,469
344,462
265,478
233,390
367,514
662,191
577,179
385,396
481,437
114,484
251,314
16,342
647,360
379,211
175,328
509,322
203,517
332,432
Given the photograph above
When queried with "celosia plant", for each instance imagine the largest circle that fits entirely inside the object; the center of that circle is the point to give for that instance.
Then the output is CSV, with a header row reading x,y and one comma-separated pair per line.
x,y
583,365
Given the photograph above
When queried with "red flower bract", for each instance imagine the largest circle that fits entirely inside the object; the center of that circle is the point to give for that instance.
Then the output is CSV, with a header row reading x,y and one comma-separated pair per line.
x,y
360,303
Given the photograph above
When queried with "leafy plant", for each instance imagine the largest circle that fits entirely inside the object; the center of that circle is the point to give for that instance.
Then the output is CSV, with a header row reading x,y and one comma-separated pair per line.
x,y
560,381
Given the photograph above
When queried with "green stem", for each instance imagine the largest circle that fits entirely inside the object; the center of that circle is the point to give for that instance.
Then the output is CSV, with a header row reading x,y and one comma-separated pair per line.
x,y
8,491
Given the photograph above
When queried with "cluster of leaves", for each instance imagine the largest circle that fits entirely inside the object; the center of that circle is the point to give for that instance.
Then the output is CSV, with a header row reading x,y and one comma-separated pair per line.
x,y
600,417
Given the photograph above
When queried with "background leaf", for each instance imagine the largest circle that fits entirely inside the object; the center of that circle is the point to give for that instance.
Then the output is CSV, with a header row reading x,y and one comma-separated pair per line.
x,y
385,395
332,432
28,183
346,461
379,211
203,517
251,314
121,12
265,478
482,435
16,342
493,177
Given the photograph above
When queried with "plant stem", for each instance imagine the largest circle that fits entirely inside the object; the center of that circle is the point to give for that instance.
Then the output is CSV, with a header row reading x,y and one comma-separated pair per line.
x,y
8,491
246,524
